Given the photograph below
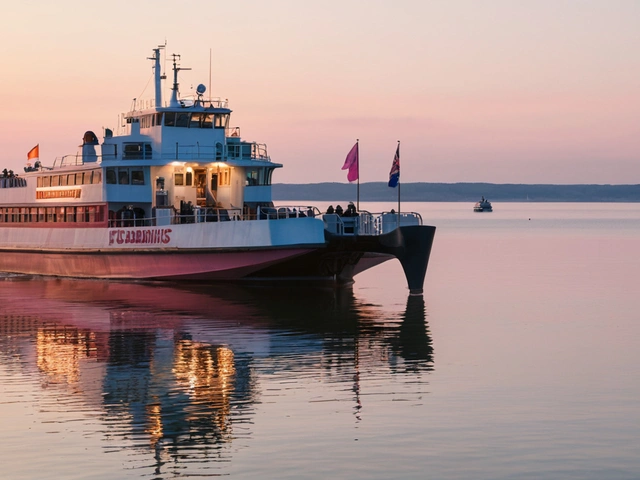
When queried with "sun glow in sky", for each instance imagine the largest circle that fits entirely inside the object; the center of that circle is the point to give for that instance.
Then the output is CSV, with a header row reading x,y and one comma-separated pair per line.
x,y
494,91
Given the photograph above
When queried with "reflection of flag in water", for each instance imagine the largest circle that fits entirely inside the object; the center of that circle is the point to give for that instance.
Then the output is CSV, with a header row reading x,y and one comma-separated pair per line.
x,y
394,174
34,153
351,163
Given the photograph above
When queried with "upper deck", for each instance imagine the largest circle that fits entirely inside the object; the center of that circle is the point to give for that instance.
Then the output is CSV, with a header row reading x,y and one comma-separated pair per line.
x,y
183,151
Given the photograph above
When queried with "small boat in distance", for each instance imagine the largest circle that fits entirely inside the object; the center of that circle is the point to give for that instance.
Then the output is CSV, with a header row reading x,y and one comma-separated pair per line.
x,y
483,205
175,193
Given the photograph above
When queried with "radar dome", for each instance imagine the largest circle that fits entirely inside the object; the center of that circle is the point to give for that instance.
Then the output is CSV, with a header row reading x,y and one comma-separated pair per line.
x,y
201,89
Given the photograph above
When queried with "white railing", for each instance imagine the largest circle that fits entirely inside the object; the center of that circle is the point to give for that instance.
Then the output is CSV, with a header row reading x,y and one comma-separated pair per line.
x,y
280,212
180,152
362,223
366,223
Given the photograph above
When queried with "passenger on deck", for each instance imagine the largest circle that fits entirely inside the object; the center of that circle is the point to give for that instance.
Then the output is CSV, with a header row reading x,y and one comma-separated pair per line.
x,y
339,210
330,209
351,210
310,212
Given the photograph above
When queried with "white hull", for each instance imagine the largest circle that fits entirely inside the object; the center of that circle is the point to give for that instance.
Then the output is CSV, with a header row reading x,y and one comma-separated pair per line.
x,y
207,251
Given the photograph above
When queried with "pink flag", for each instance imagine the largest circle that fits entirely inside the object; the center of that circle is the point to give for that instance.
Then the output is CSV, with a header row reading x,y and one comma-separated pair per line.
x,y
351,164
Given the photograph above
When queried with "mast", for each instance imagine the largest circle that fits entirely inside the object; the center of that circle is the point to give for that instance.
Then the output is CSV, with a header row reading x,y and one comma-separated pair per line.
x,y
158,77
358,188
398,154
174,89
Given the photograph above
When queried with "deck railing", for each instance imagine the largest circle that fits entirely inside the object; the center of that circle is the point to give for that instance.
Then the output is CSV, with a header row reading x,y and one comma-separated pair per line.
x,y
364,223
12,182
367,223
180,152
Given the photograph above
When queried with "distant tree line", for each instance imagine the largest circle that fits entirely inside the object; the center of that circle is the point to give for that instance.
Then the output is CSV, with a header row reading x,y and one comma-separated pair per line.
x,y
459,192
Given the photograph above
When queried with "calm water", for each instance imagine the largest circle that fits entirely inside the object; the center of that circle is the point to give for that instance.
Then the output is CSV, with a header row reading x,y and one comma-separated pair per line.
x,y
520,362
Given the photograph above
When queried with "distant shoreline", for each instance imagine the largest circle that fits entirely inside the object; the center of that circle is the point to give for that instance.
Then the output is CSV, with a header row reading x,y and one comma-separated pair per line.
x,y
458,192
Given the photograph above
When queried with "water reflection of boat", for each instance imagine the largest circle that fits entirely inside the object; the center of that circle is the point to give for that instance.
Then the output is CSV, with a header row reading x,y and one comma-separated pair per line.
x,y
483,205
181,367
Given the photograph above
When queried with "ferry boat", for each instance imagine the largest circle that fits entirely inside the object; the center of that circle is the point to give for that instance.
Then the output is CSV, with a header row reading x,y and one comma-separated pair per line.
x,y
483,205
175,193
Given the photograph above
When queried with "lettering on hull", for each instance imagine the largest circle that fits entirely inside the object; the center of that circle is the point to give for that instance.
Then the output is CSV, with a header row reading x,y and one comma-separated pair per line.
x,y
148,236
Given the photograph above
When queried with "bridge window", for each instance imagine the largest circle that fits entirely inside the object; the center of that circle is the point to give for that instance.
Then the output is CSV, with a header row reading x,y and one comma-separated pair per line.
x,y
182,120
252,177
170,119
221,120
137,151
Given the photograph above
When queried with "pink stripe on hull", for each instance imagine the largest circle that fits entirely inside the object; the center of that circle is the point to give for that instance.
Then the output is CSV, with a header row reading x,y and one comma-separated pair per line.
x,y
213,265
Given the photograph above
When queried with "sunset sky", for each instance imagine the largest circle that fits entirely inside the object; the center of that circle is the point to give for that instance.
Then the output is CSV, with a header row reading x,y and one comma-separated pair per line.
x,y
494,91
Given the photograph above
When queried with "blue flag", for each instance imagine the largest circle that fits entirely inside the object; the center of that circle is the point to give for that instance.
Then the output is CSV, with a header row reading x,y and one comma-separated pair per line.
x,y
394,174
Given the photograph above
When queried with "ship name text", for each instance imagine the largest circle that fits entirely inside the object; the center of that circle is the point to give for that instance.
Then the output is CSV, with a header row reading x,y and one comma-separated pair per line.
x,y
151,236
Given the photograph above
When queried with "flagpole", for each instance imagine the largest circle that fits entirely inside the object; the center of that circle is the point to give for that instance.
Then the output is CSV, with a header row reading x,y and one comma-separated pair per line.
x,y
358,188
399,189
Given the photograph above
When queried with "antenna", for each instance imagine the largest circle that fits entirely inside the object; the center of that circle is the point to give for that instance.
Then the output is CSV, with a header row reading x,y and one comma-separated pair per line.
x,y
176,69
163,75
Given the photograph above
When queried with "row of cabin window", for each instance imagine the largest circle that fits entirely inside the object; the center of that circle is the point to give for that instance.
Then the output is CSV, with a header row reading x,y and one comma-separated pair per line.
x,y
144,151
186,179
130,151
63,180
84,214
124,176
186,120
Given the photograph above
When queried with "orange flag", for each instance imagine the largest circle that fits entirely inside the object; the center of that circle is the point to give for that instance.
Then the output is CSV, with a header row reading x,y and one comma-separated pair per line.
x,y
34,153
